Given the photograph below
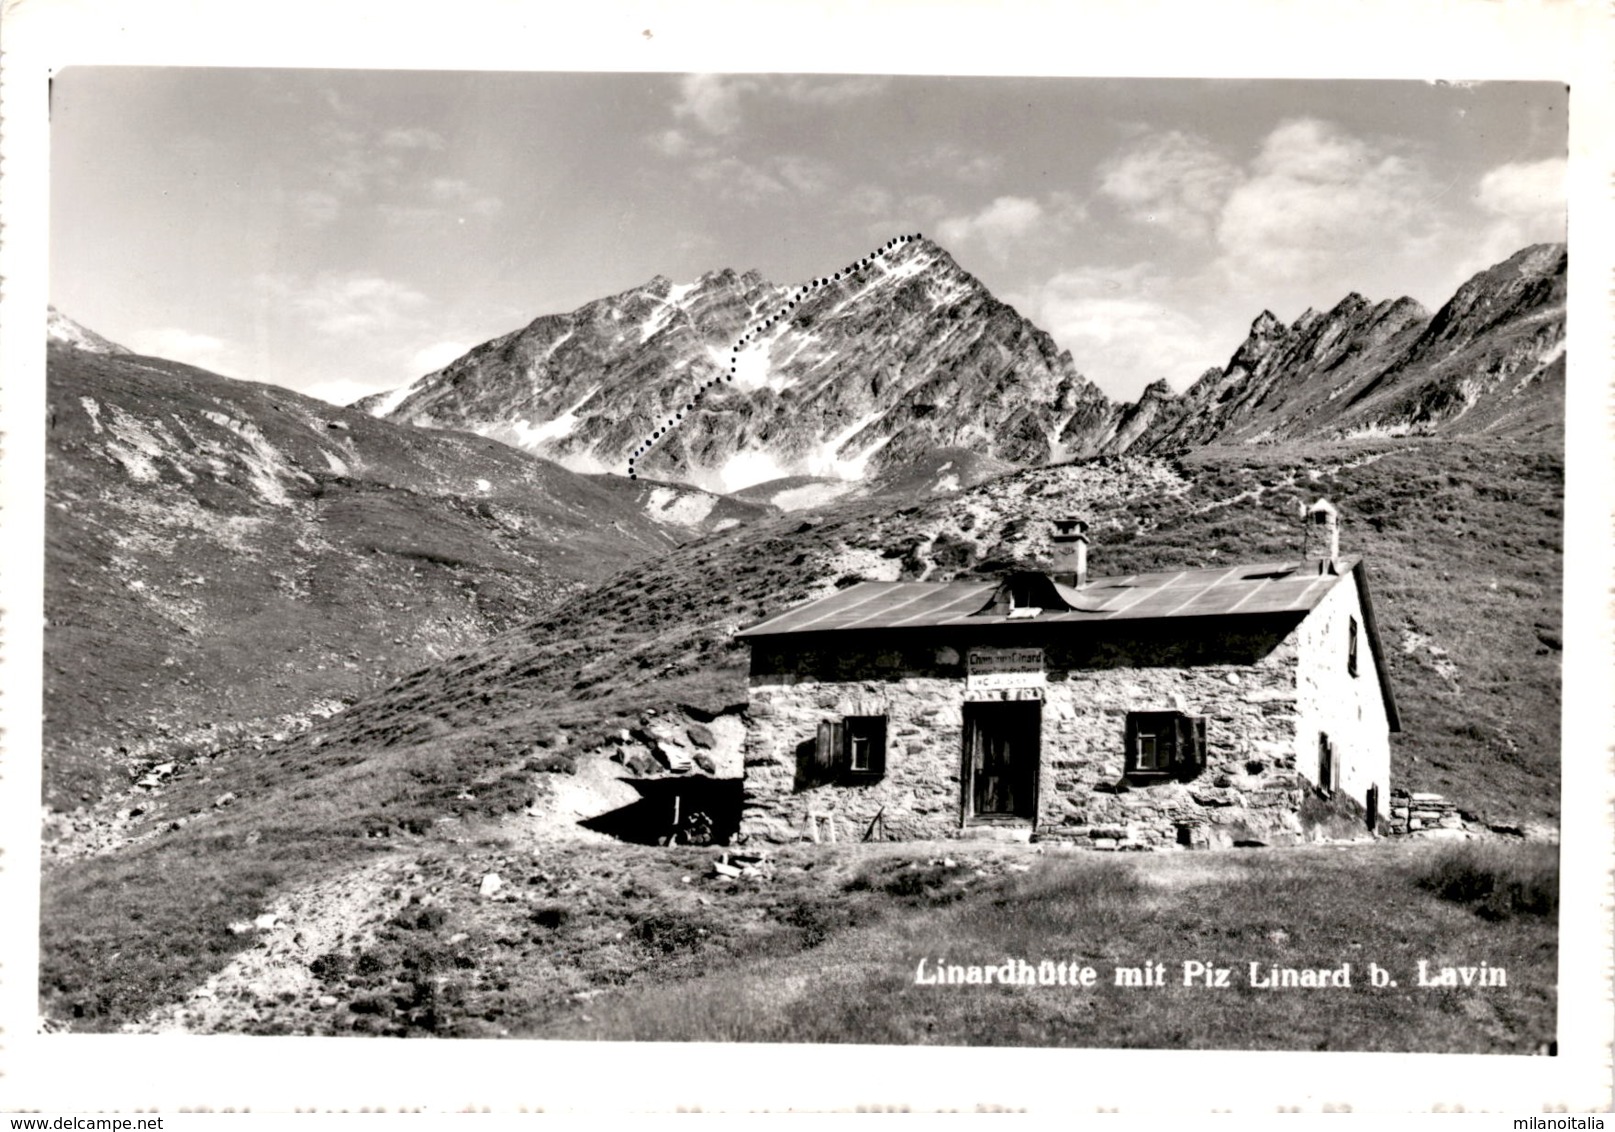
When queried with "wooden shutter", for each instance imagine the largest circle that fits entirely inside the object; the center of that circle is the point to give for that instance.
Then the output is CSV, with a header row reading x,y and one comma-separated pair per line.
x,y
830,751
877,745
1182,729
1188,746
1131,740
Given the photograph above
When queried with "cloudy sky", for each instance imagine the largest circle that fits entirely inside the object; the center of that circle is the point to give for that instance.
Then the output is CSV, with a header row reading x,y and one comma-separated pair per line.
x,y
341,232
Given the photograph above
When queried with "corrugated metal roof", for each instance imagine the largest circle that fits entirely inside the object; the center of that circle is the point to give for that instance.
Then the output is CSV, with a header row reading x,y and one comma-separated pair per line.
x,y
1276,587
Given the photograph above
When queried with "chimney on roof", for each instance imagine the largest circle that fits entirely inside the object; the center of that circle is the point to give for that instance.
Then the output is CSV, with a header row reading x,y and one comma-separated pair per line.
x,y
1070,551
1322,535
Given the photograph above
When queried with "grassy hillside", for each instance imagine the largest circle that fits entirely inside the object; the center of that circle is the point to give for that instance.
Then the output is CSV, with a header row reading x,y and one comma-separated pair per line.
x,y
623,942
1298,909
1462,541
223,557
1463,547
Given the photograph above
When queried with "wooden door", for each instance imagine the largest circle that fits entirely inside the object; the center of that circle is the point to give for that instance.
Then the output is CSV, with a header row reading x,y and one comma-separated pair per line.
x,y
1001,759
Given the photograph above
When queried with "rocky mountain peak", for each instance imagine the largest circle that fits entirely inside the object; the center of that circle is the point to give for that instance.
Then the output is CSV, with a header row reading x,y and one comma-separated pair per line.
x,y
1158,390
1490,360
733,380
1533,277
63,331
1266,325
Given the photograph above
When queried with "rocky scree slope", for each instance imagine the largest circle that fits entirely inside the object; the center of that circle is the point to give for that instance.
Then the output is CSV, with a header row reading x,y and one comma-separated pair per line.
x,y
871,371
1490,362
223,556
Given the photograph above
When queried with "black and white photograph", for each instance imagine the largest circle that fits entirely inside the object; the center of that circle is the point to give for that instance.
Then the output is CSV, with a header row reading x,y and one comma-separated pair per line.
x,y
612,559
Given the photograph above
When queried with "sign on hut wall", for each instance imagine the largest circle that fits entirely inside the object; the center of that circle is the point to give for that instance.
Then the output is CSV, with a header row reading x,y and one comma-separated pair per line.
x,y
1005,670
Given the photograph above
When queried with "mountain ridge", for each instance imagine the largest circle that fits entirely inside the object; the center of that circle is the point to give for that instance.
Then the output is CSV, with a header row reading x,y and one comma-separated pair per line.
x,y
222,552
1489,361
807,392
864,371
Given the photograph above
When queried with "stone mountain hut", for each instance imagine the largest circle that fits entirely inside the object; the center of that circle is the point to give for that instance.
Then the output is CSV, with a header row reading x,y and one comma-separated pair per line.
x,y
1188,707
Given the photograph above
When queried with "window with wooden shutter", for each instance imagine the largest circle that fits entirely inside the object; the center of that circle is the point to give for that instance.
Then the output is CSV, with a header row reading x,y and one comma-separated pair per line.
x,y
1351,646
864,737
1164,744
1328,771
1151,738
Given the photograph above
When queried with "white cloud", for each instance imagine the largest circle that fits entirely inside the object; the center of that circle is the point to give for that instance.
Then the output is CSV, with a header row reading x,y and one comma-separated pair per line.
x,y
1321,204
734,179
954,161
867,200
180,345
1120,334
450,189
353,163
1067,209
315,208
1525,204
349,305
804,174
341,391
670,142
827,92
713,101
1173,180
1534,190
888,216
450,197
383,171
428,359
997,226
408,215
412,137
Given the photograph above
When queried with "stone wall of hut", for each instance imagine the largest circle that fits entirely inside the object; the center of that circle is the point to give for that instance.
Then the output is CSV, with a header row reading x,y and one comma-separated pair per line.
x,y
1241,676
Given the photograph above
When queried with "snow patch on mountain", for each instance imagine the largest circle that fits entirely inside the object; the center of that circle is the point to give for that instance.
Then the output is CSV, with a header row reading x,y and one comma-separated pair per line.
x,y
754,368
811,495
827,459
683,508
391,400
534,437
746,468
672,305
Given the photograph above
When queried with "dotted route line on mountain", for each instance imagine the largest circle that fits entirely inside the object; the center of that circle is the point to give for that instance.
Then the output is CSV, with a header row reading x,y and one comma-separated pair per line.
x,y
798,296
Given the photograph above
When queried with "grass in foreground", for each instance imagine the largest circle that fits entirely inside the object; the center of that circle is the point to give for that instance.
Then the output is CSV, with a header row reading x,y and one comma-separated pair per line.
x,y
1307,908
